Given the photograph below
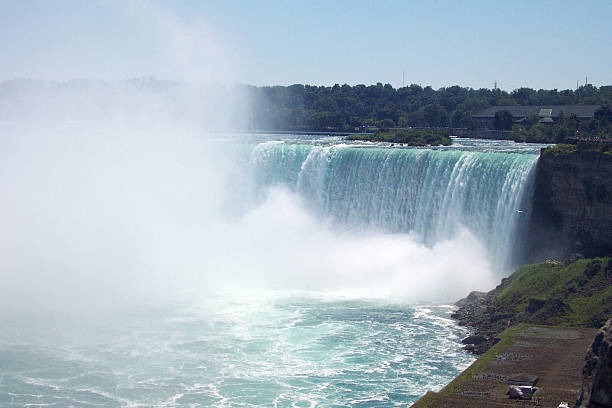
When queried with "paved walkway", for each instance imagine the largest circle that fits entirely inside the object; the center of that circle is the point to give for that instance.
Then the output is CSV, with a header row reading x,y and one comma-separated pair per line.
x,y
556,355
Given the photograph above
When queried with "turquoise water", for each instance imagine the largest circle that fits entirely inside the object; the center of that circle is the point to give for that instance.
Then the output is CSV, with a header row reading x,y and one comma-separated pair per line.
x,y
433,192
240,350
292,272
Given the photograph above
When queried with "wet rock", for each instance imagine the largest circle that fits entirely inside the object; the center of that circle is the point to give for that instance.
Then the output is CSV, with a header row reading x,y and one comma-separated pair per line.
x,y
474,298
496,317
474,339
572,206
596,389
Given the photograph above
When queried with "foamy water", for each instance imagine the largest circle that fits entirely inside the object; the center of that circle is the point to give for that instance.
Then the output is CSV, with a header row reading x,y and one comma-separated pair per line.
x,y
316,269
261,349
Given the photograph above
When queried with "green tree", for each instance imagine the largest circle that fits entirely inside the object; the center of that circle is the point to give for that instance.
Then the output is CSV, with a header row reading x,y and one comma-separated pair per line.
x,y
503,120
462,119
603,115
308,107
435,115
387,123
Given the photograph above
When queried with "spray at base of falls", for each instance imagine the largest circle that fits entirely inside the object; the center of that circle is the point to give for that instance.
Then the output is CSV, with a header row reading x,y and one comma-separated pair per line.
x,y
128,217
433,194
326,314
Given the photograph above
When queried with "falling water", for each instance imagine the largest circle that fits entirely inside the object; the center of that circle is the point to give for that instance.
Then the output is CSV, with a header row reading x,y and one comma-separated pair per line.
x,y
431,192
171,272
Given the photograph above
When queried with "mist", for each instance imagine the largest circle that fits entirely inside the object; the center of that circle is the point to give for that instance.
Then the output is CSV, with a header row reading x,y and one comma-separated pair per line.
x,y
119,195
291,247
125,192
153,252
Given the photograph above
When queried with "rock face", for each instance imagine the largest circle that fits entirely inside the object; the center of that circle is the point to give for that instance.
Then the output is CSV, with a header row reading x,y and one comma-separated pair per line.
x,y
540,294
597,372
572,205
476,311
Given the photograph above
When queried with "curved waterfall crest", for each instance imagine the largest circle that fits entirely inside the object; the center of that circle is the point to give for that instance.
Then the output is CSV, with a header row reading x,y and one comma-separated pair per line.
x,y
432,193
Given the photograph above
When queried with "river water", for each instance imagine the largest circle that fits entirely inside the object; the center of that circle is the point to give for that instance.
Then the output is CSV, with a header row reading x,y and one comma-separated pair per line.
x,y
253,349
347,255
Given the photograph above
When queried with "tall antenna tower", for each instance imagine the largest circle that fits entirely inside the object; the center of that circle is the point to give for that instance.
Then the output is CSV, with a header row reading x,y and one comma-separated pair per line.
x,y
495,85
403,81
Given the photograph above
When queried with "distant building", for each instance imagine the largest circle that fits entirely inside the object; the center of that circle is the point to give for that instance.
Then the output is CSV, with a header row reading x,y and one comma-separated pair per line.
x,y
546,113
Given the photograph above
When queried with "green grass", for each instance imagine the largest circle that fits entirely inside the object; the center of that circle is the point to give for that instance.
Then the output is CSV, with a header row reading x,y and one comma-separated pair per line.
x,y
582,292
565,149
560,149
591,310
537,280
506,339
583,289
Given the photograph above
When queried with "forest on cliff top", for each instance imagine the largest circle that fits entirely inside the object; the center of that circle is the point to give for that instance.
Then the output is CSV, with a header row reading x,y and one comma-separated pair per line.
x,y
345,107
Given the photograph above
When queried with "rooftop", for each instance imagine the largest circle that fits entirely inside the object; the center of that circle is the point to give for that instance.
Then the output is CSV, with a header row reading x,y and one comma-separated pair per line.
x,y
518,111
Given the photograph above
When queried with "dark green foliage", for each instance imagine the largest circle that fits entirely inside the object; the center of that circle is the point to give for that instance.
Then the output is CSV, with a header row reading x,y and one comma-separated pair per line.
x,y
604,115
435,115
578,294
560,149
563,149
387,123
345,108
568,129
503,120
592,268
411,137
554,308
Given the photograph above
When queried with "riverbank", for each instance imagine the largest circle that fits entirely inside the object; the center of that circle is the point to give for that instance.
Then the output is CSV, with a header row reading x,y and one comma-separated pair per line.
x,y
571,294
540,320
554,354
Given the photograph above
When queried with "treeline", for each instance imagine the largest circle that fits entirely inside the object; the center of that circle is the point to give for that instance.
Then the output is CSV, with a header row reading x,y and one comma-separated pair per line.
x,y
567,129
345,107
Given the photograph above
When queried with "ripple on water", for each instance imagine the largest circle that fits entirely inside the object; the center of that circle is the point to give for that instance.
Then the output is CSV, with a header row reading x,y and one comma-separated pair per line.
x,y
247,351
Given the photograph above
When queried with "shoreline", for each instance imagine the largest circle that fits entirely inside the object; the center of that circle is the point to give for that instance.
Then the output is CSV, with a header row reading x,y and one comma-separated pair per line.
x,y
539,320
554,354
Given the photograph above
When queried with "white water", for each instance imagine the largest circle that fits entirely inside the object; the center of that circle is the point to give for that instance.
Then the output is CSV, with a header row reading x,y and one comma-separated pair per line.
x,y
145,262
149,270
435,195
243,349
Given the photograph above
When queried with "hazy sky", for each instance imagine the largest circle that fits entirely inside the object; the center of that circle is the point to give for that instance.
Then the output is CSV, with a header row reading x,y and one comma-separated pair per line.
x,y
543,44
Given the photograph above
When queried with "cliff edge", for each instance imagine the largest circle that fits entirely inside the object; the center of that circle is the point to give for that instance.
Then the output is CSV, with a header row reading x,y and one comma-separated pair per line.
x,y
576,294
597,372
572,203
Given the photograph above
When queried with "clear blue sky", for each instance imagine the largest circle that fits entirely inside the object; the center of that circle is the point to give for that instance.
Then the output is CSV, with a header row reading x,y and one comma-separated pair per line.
x,y
540,44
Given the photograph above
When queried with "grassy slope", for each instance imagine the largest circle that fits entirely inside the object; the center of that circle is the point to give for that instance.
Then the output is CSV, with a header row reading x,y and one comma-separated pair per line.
x,y
506,339
578,294
574,295
566,149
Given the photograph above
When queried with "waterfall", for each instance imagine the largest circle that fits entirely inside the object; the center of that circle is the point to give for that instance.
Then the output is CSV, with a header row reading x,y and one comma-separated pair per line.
x,y
432,193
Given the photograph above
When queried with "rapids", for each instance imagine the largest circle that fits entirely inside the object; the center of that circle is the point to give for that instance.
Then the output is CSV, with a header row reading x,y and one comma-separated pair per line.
x,y
254,272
